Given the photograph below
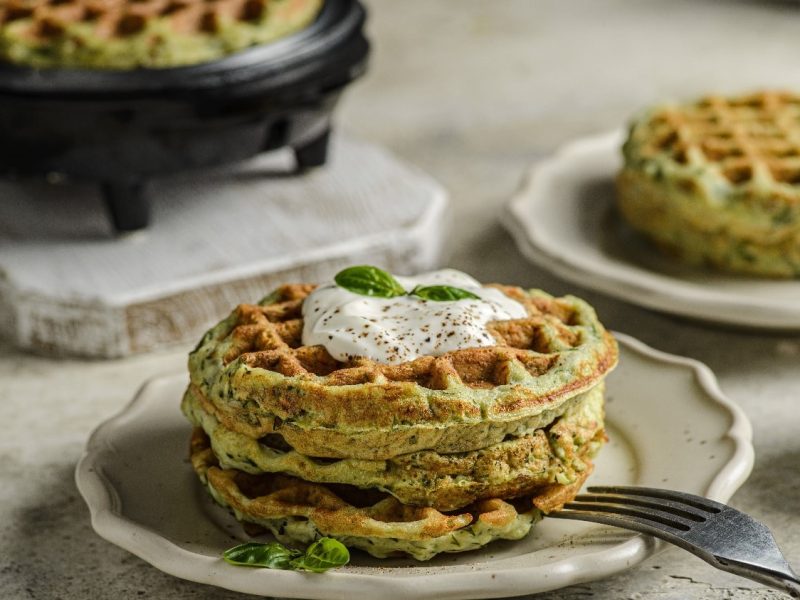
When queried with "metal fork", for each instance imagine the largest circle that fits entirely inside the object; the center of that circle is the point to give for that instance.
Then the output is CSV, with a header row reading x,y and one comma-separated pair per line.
x,y
722,536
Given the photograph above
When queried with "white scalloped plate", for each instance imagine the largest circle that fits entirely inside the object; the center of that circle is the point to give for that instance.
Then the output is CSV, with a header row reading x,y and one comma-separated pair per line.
x,y
563,219
669,423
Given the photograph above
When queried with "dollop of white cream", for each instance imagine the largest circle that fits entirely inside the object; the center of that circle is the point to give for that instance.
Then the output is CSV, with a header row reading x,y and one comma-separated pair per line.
x,y
396,330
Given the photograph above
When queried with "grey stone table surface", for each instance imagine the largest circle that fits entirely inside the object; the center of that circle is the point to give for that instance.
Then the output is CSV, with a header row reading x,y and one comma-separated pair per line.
x,y
473,92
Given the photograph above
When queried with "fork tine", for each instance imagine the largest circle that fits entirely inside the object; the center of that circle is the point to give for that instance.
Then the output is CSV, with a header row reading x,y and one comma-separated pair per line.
x,y
652,515
719,534
633,523
678,509
699,502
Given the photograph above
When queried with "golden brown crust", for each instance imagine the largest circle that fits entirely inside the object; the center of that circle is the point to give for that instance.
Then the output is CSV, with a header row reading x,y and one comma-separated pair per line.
x,y
266,497
519,465
554,497
745,139
153,33
260,379
118,18
717,182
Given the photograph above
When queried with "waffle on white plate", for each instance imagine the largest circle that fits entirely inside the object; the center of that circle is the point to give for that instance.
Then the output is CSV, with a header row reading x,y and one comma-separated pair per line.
x,y
717,182
440,453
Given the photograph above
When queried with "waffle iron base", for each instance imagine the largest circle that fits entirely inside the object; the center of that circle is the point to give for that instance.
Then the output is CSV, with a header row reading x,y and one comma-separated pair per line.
x,y
123,128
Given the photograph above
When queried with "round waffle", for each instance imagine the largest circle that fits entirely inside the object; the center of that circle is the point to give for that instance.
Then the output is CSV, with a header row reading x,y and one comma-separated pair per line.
x,y
296,511
118,34
259,378
717,181
511,468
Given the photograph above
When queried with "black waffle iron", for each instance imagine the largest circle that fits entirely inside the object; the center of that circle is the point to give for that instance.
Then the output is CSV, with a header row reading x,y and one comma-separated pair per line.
x,y
122,128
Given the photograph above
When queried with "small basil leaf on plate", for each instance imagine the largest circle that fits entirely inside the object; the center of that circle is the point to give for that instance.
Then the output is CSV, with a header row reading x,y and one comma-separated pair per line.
x,y
369,281
443,293
324,554
253,554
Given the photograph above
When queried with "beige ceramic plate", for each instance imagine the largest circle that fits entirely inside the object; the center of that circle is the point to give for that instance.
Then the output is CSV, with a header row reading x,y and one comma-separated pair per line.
x,y
563,219
664,412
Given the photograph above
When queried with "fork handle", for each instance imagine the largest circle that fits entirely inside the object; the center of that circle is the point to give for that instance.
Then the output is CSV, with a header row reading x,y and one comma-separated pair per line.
x,y
786,581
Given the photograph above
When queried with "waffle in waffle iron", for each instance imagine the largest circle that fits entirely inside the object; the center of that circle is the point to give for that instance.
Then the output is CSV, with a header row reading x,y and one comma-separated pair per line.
x,y
124,34
437,454
717,182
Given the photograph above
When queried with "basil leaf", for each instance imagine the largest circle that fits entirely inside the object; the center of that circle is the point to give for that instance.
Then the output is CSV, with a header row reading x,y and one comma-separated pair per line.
x,y
369,281
253,554
325,553
442,293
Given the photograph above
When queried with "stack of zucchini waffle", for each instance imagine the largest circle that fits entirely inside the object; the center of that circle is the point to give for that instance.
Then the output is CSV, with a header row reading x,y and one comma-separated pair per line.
x,y
120,34
717,181
439,454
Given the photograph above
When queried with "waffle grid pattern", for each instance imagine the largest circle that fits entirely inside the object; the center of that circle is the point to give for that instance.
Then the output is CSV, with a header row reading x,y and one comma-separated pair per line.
x,y
401,427
716,182
125,34
269,337
359,516
755,137
260,378
115,18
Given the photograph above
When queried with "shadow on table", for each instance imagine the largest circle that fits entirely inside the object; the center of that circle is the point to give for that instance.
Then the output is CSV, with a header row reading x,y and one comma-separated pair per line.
x,y
775,488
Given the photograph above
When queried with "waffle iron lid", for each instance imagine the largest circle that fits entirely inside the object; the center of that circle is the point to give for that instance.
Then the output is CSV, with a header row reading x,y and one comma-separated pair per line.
x,y
333,41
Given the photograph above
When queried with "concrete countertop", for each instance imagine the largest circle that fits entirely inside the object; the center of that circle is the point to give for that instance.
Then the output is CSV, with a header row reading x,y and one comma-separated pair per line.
x,y
473,92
